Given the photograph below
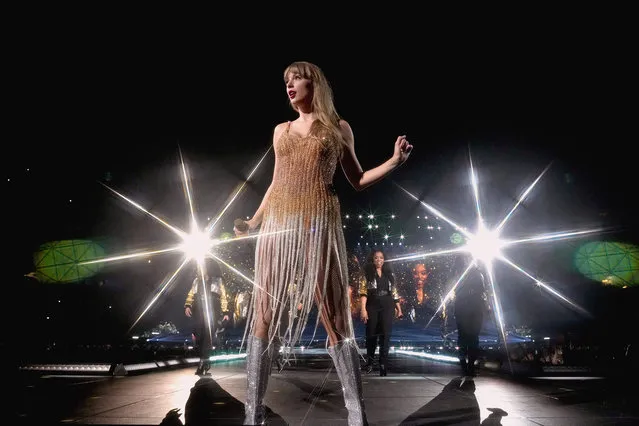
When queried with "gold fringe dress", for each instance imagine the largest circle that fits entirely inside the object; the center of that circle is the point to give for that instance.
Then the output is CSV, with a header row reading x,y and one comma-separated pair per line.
x,y
301,252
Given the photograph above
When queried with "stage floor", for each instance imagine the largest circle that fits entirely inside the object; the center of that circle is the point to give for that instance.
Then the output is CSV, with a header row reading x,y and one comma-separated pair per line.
x,y
416,392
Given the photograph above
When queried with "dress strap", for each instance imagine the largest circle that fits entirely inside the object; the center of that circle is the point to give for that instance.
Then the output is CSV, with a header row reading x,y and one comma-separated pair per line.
x,y
288,127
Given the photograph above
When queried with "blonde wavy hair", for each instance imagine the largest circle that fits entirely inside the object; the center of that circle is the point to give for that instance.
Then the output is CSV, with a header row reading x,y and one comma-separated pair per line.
x,y
323,105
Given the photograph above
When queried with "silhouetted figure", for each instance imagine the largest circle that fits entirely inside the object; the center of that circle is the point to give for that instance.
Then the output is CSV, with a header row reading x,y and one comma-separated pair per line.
x,y
213,293
494,419
209,404
172,418
470,305
456,404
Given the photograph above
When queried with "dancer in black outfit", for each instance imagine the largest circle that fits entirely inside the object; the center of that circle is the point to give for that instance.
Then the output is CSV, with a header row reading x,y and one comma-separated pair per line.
x,y
195,307
379,301
471,302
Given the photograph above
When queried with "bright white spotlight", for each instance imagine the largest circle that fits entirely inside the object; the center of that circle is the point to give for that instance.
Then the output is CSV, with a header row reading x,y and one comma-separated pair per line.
x,y
196,245
485,245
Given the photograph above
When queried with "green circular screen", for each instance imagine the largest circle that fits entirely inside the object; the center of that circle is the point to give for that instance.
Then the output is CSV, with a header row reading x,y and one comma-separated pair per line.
x,y
610,263
58,261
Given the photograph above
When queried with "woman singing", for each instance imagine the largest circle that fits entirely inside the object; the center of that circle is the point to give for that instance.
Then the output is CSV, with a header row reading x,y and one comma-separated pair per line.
x,y
301,238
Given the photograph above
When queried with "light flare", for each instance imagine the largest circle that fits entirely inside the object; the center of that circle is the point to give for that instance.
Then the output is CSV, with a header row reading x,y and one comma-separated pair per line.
x,y
163,287
554,236
179,232
436,212
131,255
186,180
521,198
428,254
485,246
195,246
450,294
475,185
499,316
546,287
211,225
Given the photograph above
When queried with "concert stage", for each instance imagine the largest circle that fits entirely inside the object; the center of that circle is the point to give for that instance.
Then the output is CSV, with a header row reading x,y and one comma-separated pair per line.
x,y
417,391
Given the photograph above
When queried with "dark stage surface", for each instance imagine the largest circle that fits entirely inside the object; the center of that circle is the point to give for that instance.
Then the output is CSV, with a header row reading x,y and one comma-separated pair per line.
x,y
416,391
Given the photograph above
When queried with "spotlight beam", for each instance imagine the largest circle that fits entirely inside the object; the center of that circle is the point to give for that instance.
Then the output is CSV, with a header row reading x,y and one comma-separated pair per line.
x,y
498,313
546,287
429,254
522,197
207,306
211,225
157,296
475,186
553,236
243,276
194,245
131,256
450,294
179,232
247,237
187,188
436,212
485,246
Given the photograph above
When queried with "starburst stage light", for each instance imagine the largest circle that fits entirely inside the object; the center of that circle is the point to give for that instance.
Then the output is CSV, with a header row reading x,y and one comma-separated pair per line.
x,y
487,247
194,246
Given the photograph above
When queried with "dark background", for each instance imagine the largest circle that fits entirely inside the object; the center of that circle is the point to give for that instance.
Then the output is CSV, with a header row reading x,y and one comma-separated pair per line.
x,y
93,102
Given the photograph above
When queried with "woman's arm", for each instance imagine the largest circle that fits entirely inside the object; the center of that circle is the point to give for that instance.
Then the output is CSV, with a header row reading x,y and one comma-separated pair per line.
x,y
363,314
396,298
398,309
360,179
256,219
363,297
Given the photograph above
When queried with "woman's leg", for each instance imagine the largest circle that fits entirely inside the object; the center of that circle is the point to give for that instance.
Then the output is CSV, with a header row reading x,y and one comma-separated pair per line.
x,y
473,341
371,332
386,321
462,342
335,316
258,360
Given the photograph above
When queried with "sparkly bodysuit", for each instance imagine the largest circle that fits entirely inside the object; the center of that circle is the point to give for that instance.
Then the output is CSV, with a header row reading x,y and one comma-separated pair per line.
x,y
301,252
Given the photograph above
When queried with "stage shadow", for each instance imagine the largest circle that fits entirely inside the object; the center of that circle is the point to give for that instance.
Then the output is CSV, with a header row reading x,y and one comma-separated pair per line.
x,y
311,393
209,404
455,405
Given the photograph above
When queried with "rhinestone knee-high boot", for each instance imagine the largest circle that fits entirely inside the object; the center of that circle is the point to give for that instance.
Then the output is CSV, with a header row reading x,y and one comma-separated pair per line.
x,y
258,369
346,358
